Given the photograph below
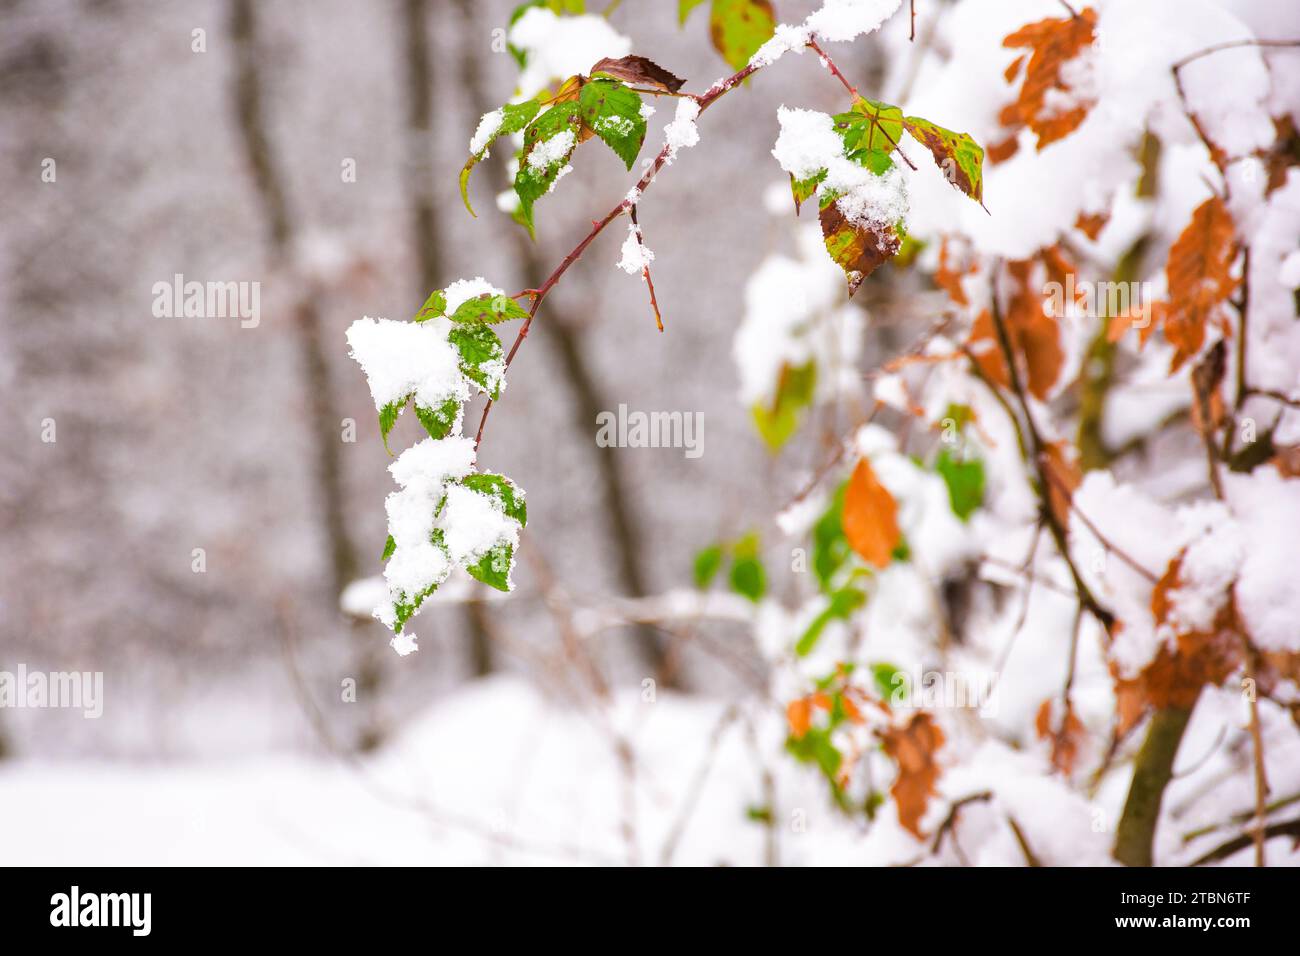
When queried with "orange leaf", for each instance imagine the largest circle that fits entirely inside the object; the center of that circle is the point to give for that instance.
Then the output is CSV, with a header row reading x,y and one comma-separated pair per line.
x,y
913,748
1054,42
948,278
1091,224
798,713
1067,738
870,516
1175,676
1198,276
1034,337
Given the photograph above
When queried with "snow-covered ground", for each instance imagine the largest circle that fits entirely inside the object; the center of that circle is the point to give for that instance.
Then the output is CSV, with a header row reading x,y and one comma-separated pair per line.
x,y
499,773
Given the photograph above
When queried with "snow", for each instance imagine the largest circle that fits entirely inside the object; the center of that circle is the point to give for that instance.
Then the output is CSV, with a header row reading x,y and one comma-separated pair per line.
x,y
559,47
844,20
462,290
807,143
551,151
403,359
473,524
422,472
836,20
1268,509
682,132
636,256
794,314
486,131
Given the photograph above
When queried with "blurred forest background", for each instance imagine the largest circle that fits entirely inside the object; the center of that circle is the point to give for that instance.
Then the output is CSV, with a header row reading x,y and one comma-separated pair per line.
x,y
226,163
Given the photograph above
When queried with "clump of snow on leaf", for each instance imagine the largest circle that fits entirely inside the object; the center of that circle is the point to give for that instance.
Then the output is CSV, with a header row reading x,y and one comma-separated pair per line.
x,y
487,130
474,524
462,290
808,144
404,359
551,151
421,472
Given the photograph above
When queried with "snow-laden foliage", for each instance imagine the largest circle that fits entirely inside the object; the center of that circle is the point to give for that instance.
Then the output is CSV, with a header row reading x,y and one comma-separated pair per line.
x,y
1067,509
446,514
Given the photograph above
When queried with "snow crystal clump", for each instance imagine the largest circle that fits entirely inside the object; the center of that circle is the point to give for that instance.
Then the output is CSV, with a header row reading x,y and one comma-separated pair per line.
x,y
549,152
487,131
405,359
682,132
807,143
836,20
474,524
462,290
636,255
844,20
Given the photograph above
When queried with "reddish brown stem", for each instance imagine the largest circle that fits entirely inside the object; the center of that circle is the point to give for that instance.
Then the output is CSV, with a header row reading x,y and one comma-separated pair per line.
x,y
853,91
705,100
645,271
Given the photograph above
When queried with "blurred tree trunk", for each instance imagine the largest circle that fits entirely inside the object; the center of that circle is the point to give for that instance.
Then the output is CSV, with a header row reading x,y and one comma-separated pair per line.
x,y
428,249
584,394
323,418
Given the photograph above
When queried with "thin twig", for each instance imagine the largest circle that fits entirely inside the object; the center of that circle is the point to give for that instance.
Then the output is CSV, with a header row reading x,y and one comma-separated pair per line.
x,y
645,268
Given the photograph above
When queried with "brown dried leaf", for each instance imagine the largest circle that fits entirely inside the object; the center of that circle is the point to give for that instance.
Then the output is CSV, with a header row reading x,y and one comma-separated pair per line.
x,y
640,71
913,747
858,250
1054,42
1034,337
1091,224
1067,738
1174,677
1198,274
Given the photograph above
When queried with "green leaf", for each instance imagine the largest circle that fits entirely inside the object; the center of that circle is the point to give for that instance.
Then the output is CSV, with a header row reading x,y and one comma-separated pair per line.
x,y
684,8
869,127
488,309
748,578
389,547
503,490
804,188
613,112
515,116
794,392
957,154
965,481
841,607
889,679
433,307
405,610
707,564
388,418
831,550
481,356
493,568
439,422
815,747
739,28
532,182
